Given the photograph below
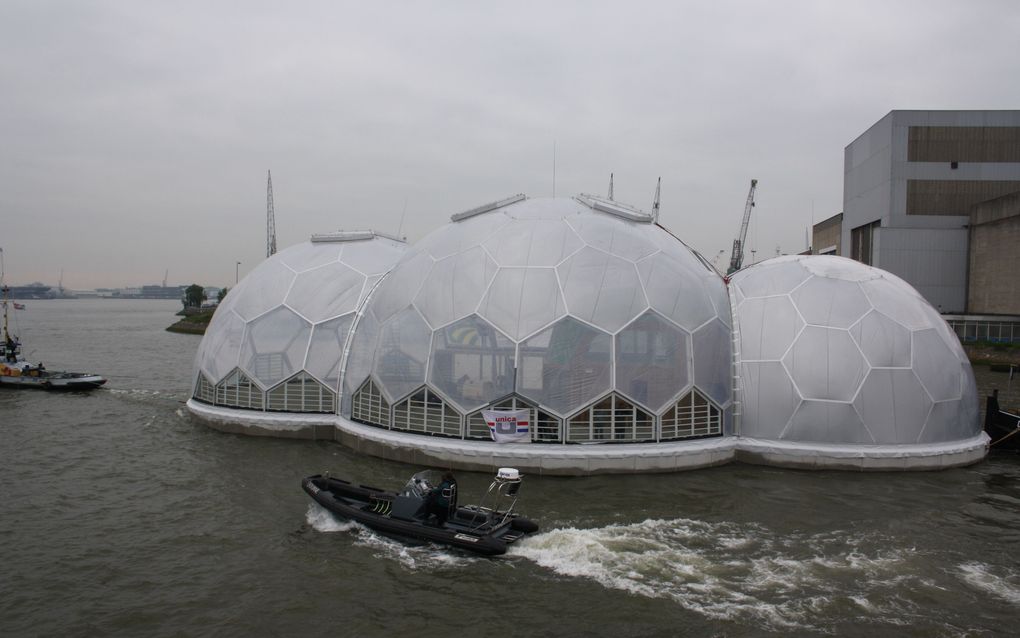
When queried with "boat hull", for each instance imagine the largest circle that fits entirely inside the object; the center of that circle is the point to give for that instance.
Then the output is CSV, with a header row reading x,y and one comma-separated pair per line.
x,y
67,382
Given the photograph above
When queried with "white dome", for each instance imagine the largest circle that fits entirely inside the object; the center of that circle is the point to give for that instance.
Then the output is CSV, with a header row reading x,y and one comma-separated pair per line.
x,y
834,351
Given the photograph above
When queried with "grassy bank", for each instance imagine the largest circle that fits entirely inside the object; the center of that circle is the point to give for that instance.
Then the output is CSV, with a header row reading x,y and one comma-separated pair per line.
x,y
193,323
993,354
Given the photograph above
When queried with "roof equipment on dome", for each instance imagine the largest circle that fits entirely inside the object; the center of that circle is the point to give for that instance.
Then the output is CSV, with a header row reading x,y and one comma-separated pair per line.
x,y
351,235
488,207
595,202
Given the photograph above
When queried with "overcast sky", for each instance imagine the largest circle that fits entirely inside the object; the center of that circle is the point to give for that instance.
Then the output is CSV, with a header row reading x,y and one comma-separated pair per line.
x,y
135,136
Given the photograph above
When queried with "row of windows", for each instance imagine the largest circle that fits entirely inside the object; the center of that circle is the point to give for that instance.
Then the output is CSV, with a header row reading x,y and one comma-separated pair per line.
x,y
612,419
300,393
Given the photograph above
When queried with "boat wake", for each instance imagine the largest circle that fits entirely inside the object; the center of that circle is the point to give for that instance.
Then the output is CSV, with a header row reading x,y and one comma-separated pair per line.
x,y
983,577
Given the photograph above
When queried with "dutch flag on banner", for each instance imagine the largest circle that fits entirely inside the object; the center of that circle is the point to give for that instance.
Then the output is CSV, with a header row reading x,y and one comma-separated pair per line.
x,y
508,426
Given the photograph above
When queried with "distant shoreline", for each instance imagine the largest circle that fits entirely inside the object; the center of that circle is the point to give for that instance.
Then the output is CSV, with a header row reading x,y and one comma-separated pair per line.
x,y
193,322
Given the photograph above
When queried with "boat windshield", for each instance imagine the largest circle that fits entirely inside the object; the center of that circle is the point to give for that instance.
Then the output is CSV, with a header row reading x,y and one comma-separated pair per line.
x,y
422,483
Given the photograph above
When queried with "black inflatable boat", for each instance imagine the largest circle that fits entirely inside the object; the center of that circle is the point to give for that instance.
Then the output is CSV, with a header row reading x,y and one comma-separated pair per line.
x,y
487,528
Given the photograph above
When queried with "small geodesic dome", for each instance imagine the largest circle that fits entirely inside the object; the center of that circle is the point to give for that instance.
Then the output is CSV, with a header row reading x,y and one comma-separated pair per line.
x,y
582,310
276,341
831,351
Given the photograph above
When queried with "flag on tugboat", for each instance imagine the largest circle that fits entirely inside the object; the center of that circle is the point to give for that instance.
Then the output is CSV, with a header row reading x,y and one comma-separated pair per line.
x,y
508,426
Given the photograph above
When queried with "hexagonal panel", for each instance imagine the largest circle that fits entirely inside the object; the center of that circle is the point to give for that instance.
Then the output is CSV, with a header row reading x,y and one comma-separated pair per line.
x,y
455,286
885,343
458,236
565,366
936,366
938,322
769,399
773,277
943,423
402,352
522,300
830,302
472,363
275,345
767,327
326,292
825,364
265,289
842,268
615,236
899,302
533,243
827,422
652,361
675,291
601,289
713,372
373,257
221,344
306,255
400,287
326,349
893,405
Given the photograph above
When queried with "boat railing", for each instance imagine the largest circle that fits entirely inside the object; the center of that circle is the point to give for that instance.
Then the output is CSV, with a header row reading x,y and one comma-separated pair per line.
x,y
504,489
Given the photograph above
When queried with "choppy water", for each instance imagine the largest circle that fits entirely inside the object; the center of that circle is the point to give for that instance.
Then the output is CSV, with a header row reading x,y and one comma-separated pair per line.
x,y
122,515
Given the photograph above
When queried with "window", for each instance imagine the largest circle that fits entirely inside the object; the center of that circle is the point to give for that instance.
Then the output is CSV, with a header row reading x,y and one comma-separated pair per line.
x,y
862,240
204,389
426,412
545,428
239,391
369,406
301,393
691,416
612,419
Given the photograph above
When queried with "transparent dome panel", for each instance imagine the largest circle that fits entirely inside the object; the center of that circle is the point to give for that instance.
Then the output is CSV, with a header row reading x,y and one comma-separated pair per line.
x,y
455,286
769,399
326,350
265,288
936,366
565,366
533,243
373,257
402,352
523,300
472,363
713,373
459,236
222,344
720,297
616,236
826,364
676,291
897,301
832,267
601,289
946,422
830,302
399,288
768,327
827,422
326,292
307,255
770,278
275,345
885,343
652,361
893,405
361,358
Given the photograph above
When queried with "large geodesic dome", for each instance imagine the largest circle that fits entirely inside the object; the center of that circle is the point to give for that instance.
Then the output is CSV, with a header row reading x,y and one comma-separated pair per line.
x,y
832,351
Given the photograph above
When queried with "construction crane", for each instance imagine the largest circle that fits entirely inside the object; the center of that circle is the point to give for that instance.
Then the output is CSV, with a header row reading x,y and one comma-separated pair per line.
x,y
270,217
737,258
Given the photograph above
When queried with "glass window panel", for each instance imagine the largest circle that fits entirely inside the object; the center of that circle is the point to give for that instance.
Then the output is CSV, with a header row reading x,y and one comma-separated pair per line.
x,y
472,363
601,289
676,291
885,343
611,420
574,365
369,406
713,371
204,389
222,344
326,349
238,391
692,416
826,364
652,361
521,301
326,292
767,327
360,359
275,345
425,412
455,286
403,350
301,393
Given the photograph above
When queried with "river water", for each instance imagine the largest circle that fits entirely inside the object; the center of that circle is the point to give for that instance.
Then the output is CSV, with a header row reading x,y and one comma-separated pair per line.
x,y
120,514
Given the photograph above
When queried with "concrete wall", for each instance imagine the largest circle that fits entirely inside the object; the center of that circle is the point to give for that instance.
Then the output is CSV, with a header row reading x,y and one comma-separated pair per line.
x,y
932,260
994,287
827,234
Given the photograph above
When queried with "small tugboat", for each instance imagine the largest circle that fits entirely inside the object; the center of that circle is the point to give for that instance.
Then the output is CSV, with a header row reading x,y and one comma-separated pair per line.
x,y
16,372
1003,427
411,514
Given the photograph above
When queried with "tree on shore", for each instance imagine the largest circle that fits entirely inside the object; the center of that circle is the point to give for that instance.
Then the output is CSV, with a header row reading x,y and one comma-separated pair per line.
x,y
194,295
222,294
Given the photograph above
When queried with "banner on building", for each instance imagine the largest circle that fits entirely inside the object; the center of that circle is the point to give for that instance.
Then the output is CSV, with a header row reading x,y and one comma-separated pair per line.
x,y
508,426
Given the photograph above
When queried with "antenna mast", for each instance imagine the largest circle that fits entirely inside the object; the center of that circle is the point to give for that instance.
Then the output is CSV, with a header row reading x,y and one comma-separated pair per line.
x,y
270,217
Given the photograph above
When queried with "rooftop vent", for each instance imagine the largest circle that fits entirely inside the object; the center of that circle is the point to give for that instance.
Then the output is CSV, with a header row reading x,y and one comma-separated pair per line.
x,y
350,235
603,205
488,207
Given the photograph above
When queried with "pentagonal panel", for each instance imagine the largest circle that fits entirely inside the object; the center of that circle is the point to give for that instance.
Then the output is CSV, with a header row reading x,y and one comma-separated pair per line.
x,y
458,236
616,236
825,364
265,288
472,363
827,422
455,286
601,289
713,373
675,291
767,327
326,349
652,361
402,352
565,366
307,255
830,302
936,366
326,292
522,300
373,257
893,405
400,287
897,301
534,242
769,399
221,344
773,277
885,343
275,345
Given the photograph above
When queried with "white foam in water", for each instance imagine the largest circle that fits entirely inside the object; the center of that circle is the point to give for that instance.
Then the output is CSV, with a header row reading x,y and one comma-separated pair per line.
x,y
980,576
782,582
